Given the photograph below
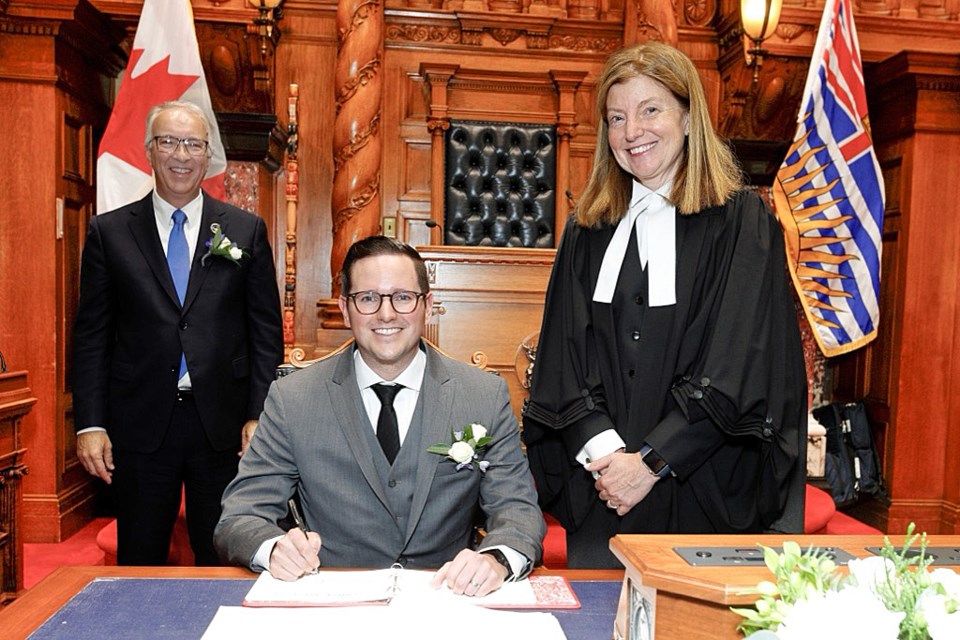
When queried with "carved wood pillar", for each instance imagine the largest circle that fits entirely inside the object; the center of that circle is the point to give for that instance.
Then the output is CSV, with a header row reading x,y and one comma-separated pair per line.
x,y
567,83
356,136
292,197
438,78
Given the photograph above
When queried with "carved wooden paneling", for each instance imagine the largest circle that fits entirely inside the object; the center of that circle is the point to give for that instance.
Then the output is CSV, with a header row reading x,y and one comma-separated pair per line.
x,y
16,399
56,68
306,57
489,300
507,31
238,77
909,374
416,176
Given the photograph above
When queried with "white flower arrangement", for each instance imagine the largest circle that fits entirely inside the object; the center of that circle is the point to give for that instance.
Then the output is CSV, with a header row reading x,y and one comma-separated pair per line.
x,y
222,247
466,447
888,597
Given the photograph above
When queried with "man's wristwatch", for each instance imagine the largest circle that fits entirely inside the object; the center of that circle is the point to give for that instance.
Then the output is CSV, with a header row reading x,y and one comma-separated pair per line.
x,y
657,465
502,559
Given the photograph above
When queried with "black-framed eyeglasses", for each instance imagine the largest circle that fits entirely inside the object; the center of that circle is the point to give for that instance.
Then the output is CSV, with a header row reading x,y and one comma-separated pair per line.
x,y
368,302
169,144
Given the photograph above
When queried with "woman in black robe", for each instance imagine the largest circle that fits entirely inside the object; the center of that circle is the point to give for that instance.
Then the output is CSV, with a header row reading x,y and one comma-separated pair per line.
x,y
669,391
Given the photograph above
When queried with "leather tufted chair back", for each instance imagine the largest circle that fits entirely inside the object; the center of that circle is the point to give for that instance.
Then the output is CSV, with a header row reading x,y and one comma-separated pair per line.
x,y
500,184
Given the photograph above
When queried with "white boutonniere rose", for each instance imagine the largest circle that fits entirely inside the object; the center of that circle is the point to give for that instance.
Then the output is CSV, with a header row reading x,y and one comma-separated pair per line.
x,y
465,447
460,452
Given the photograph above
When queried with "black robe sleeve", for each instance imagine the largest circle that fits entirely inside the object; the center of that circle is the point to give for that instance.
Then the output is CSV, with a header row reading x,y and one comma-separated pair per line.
x,y
747,373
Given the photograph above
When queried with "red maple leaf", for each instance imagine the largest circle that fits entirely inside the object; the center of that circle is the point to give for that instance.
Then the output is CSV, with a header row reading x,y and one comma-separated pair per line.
x,y
127,127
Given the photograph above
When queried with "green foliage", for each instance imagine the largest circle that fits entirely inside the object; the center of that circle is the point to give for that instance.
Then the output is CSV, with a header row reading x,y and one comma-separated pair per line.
x,y
800,575
905,582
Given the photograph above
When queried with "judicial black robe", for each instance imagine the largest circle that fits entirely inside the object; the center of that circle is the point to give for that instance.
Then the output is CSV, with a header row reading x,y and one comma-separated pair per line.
x,y
715,383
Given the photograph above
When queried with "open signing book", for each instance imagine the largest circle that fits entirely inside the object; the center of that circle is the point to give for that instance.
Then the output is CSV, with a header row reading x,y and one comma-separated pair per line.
x,y
331,588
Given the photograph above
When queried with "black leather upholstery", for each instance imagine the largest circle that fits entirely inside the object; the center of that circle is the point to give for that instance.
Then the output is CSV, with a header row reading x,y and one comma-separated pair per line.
x,y
500,184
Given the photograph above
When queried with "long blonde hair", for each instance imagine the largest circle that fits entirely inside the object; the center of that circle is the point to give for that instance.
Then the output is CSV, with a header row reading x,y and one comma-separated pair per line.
x,y
708,174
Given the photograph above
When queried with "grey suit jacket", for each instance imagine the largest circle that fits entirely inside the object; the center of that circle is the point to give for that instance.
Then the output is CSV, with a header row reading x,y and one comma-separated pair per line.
x,y
314,437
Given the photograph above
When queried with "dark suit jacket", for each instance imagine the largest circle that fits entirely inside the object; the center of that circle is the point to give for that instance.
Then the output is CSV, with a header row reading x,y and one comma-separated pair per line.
x,y
130,328
314,437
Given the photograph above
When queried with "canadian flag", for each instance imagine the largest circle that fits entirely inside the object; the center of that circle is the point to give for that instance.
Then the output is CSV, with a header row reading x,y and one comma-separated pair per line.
x,y
164,65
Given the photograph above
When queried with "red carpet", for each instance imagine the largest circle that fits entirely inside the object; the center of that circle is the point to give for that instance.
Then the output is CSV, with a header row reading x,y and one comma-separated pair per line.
x,y
80,549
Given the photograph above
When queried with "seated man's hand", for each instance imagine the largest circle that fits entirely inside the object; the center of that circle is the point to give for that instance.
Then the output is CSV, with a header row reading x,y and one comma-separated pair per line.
x,y
471,573
295,555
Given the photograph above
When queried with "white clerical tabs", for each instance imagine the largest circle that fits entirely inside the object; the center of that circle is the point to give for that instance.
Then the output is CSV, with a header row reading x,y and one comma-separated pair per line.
x,y
387,586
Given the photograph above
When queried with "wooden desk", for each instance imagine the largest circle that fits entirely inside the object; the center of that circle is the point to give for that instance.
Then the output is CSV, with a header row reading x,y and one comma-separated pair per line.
x,y
693,603
36,605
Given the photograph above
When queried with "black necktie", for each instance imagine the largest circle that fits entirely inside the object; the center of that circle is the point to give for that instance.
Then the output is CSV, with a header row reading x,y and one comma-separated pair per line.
x,y
388,433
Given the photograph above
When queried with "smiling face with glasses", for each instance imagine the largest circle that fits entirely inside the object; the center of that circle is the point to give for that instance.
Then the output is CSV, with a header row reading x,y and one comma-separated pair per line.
x,y
179,155
387,334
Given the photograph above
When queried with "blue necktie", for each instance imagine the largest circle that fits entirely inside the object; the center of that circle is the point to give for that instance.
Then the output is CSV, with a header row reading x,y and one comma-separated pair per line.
x,y
178,258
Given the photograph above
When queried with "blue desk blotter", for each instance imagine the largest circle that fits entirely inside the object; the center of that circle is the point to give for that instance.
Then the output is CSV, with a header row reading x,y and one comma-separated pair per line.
x,y
180,609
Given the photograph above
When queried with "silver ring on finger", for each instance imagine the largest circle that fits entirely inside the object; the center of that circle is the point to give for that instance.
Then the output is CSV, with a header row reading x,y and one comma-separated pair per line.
x,y
611,505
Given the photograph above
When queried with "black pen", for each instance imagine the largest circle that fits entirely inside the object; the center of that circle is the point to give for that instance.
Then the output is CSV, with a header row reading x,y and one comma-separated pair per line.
x,y
292,504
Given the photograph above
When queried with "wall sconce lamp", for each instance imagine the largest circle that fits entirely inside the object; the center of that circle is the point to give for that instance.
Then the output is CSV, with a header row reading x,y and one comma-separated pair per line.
x,y
759,19
265,21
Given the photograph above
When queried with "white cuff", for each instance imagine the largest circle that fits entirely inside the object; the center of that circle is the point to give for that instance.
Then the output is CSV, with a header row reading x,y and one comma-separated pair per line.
x,y
518,561
261,559
90,430
600,445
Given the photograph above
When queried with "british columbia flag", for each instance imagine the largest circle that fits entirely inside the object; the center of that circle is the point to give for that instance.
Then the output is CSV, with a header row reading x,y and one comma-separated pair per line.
x,y
829,193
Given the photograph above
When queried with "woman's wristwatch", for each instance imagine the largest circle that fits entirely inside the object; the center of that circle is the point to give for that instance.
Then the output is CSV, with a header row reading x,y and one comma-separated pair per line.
x,y
652,460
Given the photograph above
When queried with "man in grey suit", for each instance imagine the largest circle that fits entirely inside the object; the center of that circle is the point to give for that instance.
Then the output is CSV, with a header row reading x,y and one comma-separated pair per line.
x,y
371,492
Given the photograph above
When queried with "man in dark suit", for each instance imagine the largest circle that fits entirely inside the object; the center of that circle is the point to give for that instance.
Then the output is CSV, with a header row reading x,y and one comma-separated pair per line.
x,y
357,454
175,344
